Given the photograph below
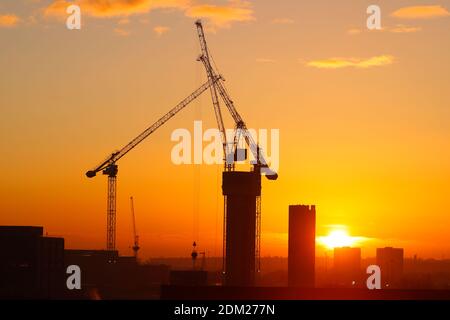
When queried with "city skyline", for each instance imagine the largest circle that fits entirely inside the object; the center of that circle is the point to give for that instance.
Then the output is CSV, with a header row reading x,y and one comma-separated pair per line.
x,y
364,137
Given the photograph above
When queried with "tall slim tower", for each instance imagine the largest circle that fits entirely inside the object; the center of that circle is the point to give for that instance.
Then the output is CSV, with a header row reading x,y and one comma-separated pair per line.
x,y
302,246
242,191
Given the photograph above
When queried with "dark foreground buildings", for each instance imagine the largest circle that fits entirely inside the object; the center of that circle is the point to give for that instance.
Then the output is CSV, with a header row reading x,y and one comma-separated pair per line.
x,y
189,278
106,275
302,246
31,265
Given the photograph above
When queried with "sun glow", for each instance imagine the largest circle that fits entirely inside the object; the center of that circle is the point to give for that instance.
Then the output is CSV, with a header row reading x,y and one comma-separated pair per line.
x,y
338,239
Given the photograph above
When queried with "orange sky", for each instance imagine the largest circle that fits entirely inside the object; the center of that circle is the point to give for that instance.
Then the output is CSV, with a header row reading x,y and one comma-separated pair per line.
x,y
363,115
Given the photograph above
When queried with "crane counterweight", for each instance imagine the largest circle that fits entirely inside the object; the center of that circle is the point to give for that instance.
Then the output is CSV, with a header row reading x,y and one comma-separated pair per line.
x,y
91,174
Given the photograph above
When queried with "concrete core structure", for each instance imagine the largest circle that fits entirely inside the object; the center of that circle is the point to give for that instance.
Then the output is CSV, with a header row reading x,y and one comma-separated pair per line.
x,y
242,191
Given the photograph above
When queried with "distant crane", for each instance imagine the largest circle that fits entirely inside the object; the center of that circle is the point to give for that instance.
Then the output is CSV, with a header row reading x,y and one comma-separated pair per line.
x,y
194,256
109,166
135,236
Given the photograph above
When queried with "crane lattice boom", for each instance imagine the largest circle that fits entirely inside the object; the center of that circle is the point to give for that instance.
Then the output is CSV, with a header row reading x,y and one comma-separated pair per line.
x,y
109,167
219,87
114,157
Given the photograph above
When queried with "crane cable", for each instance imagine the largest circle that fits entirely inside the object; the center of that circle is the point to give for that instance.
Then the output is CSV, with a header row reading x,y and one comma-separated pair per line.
x,y
196,168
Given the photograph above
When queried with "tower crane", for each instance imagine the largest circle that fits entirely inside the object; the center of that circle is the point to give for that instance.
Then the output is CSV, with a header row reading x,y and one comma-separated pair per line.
x,y
135,236
110,168
260,164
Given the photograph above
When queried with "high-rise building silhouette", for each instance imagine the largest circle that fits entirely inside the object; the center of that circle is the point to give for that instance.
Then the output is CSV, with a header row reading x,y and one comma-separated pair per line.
x,y
347,267
302,246
242,191
390,261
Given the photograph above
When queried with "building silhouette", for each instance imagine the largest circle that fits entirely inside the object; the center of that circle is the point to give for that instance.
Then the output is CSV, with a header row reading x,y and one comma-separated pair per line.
x,y
390,261
107,275
302,246
347,267
192,278
242,191
31,265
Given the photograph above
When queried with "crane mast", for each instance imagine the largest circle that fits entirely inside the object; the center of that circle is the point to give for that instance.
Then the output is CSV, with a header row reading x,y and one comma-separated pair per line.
x,y
109,167
204,57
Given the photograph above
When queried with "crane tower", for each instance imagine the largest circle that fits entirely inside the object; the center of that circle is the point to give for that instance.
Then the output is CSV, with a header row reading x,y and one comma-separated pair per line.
x,y
241,190
110,168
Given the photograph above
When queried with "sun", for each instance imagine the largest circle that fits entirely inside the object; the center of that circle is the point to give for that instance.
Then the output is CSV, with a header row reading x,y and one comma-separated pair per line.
x,y
337,239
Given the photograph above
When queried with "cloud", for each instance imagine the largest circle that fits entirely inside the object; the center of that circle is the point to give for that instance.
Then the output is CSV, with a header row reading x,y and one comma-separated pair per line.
x,y
121,32
399,28
56,9
160,30
216,15
354,31
9,20
421,12
404,29
113,8
339,63
283,21
222,16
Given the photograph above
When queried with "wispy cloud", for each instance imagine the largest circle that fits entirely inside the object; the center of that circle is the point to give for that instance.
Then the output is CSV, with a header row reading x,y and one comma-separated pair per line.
x,y
9,20
421,12
160,30
121,32
399,28
223,16
339,63
114,8
219,16
56,9
354,31
404,29
283,21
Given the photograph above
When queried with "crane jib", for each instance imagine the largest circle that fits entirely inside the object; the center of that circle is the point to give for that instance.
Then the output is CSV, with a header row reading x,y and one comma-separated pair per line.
x,y
112,159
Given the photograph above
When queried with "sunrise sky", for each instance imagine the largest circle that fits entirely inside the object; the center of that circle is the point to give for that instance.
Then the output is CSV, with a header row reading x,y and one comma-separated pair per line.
x,y
364,118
